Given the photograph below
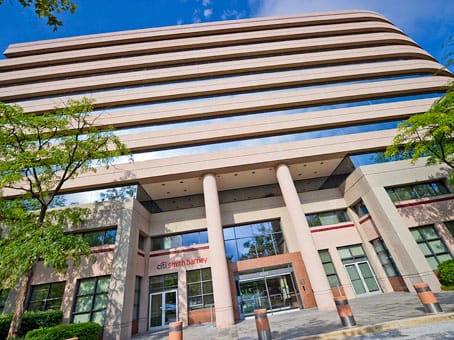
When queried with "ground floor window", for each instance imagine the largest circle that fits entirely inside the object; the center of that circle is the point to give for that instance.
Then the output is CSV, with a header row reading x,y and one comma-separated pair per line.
x,y
273,288
329,268
91,300
431,245
136,305
200,289
46,296
3,296
450,226
385,258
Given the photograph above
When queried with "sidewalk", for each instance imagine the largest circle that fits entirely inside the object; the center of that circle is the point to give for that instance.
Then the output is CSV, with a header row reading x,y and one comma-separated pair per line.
x,y
375,313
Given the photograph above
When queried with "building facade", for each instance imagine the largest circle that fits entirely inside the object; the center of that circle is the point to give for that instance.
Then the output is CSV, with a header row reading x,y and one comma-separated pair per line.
x,y
257,179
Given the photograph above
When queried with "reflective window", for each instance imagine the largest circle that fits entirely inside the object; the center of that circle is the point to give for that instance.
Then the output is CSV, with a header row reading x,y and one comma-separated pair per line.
x,y
180,240
3,296
385,258
327,218
136,304
254,240
329,268
418,190
46,296
99,237
200,289
450,226
360,209
431,245
163,282
91,300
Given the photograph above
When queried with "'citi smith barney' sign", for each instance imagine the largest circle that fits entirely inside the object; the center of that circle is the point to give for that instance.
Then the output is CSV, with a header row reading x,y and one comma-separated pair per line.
x,y
181,263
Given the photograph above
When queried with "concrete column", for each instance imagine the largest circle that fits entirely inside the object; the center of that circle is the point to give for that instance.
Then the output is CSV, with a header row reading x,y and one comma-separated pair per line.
x,y
144,289
118,319
322,291
219,269
405,251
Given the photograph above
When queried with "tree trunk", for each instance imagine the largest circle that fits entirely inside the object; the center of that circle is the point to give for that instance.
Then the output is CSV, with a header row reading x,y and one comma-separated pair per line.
x,y
20,304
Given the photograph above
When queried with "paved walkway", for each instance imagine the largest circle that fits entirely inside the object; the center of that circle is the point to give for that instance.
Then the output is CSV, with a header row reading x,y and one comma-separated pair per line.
x,y
377,313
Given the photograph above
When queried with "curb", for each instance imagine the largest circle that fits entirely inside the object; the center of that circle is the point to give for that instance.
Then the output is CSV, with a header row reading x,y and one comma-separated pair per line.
x,y
382,327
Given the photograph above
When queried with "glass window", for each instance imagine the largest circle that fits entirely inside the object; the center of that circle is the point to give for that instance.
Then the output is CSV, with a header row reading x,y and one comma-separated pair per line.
x,y
99,237
327,218
180,240
200,289
450,226
136,304
3,296
351,254
141,244
163,282
417,190
46,296
385,258
360,209
91,300
431,245
329,268
254,240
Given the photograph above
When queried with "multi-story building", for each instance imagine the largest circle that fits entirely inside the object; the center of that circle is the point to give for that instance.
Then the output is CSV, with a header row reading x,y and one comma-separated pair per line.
x,y
258,178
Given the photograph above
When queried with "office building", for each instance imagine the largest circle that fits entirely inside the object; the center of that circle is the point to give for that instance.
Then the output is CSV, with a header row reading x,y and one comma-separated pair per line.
x,y
258,179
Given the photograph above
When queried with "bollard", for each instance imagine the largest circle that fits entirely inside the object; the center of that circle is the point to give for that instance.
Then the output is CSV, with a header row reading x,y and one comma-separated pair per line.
x,y
344,311
176,330
262,324
428,298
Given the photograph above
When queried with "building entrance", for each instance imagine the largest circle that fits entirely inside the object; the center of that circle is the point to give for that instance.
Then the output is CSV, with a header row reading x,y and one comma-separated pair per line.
x,y
271,289
163,308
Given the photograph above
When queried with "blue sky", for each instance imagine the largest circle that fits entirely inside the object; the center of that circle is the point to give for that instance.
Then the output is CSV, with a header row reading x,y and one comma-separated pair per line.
x,y
428,22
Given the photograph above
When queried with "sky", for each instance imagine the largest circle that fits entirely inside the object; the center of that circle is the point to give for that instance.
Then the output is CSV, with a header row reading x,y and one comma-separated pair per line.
x,y
429,22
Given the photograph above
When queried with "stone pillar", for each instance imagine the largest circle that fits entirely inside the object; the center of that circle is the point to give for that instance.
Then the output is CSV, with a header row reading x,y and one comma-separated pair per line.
x,y
219,268
144,289
315,271
405,251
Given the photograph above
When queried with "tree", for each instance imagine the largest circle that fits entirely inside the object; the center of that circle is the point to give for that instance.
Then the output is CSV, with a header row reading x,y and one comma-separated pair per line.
x,y
429,134
39,153
49,9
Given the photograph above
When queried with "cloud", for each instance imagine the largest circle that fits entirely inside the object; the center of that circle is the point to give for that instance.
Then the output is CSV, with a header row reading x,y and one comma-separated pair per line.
x,y
407,14
232,14
207,13
205,3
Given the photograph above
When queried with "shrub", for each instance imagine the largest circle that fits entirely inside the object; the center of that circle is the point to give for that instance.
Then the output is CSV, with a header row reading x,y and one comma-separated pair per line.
x,y
84,331
31,320
446,270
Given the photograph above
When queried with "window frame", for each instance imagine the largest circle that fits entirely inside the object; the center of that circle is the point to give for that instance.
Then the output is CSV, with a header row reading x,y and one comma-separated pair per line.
x,y
93,295
330,261
203,284
317,219
417,191
44,302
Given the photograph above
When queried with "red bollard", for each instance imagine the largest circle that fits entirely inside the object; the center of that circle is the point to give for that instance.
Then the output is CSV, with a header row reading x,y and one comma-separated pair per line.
x,y
262,324
427,298
176,330
344,311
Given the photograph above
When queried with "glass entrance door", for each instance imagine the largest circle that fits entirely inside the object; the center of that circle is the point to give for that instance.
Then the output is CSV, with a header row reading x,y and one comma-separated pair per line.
x,y
362,278
163,308
271,292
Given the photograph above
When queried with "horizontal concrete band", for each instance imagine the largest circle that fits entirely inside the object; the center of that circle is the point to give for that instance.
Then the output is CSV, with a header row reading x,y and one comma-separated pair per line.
x,y
259,80
105,39
136,64
334,42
